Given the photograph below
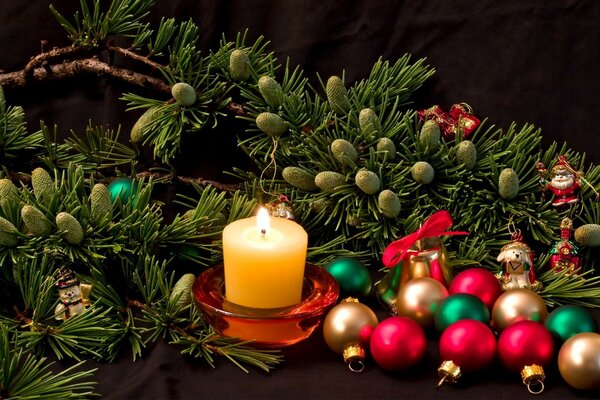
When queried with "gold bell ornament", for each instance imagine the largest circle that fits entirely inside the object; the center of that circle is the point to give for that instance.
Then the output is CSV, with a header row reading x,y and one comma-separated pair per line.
x,y
419,255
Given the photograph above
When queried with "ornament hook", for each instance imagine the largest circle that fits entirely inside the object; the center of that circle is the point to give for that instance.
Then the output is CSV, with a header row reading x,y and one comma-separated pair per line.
x,y
356,366
535,386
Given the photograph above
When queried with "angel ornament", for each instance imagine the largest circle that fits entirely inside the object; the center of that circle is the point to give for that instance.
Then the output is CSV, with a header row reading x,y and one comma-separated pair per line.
x,y
516,260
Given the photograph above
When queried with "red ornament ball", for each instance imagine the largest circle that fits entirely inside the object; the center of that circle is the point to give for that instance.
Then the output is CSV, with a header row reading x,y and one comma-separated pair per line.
x,y
478,282
397,343
470,344
525,343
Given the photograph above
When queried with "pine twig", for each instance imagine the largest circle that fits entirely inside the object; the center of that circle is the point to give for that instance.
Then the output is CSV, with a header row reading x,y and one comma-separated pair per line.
x,y
136,57
69,69
57,52
188,180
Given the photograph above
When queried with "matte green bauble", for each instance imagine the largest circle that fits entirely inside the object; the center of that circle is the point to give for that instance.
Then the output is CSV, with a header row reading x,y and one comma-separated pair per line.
x,y
460,306
567,321
121,188
352,276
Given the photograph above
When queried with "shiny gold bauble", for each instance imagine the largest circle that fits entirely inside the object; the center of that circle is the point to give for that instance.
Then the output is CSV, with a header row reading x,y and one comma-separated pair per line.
x,y
345,328
419,298
579,361
516,305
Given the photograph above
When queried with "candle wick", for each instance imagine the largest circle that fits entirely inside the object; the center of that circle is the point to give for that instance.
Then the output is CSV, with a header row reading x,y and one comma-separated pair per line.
x,y
263,232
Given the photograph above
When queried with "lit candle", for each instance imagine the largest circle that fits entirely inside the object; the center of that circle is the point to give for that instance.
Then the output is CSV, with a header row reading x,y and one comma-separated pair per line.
x,y
264,261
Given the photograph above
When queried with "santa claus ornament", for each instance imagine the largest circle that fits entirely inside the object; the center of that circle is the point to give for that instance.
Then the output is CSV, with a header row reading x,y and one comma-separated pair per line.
x,y
565,253
516,260
564,182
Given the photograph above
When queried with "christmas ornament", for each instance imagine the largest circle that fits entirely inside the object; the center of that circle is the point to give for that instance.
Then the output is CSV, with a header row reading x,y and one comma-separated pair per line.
x,y
420,254
564,253
458,307
281,208
69,295
478,282
517,305
459,119
568,321
419,299
564,181
352,276
345,329
328,181
397,343
122,189
271,124
466,346
579,361
183,94
367,181
588,235
508,184
516,260
526,347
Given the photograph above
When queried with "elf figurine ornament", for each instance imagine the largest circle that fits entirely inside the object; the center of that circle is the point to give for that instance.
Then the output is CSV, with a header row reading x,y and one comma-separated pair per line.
x,y
564,253
564,182
69,294
516,259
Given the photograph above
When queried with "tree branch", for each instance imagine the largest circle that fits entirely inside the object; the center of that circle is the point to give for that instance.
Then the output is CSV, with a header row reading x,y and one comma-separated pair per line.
x,y
134,56
69,69
50,55
188,181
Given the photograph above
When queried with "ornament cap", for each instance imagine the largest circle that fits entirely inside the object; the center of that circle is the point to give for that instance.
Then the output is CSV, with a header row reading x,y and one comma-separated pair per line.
x,y
448,372
350,300
533,377
354,356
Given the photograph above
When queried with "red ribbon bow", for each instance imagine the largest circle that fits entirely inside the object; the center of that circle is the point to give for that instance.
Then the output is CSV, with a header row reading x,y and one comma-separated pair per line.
x,y
434,226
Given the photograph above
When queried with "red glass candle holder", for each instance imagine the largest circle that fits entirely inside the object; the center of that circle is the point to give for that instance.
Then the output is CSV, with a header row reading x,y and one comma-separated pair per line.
x,y
268,328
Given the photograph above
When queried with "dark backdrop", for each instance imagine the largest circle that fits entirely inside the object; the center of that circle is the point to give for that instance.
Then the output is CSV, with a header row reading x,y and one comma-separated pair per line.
x,y
527,61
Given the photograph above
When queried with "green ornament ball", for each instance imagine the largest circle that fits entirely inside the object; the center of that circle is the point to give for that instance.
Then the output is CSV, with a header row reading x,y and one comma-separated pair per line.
x,y
568,321
121,188
460,306
352,276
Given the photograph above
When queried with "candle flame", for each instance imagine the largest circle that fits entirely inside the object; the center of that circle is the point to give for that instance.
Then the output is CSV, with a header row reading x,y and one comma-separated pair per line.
x,y
262,220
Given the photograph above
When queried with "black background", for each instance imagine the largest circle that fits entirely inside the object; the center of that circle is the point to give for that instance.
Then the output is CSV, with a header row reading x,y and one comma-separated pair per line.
x,y
528,61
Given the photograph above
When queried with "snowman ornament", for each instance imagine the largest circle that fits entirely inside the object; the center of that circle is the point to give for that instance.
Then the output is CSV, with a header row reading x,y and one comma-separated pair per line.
x,y
69,295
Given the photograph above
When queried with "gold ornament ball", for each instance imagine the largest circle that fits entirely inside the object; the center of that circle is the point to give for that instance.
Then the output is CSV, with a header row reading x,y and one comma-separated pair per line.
x,y
419,298
516,305
343,324
579,361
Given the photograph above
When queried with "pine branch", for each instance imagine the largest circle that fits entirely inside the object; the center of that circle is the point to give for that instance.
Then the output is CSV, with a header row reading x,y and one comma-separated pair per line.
x,y
134,56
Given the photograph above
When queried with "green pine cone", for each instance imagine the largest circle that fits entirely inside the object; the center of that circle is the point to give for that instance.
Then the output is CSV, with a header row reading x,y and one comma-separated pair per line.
x,y
588,235
145,120
8,191
183,93
43,185
466,154
101,203
299,178
343,149
271,124
8,233
328,181
508,184
69,226
367,181
182,291
389,203
422,172
430,136
36,221
387,148
320,205
239,65
337,95
270,90
368,122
